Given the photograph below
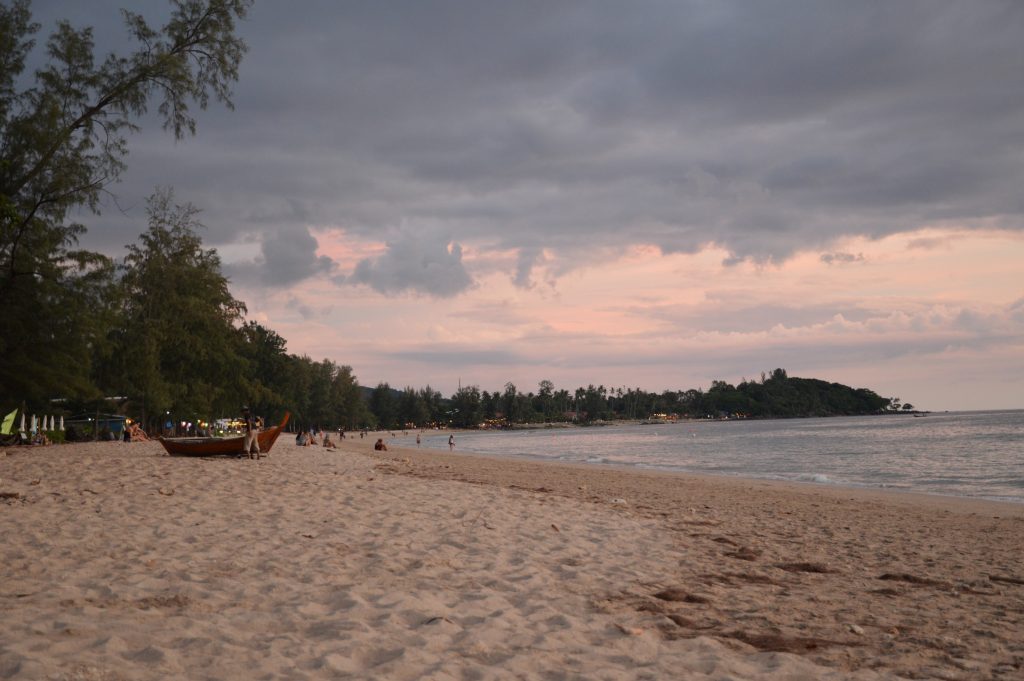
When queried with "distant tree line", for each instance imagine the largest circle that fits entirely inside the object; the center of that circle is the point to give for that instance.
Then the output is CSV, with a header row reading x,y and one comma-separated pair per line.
x,y
775,395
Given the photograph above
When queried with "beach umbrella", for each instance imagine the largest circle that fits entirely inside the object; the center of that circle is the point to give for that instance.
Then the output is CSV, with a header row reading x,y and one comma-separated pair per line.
x,y
34,424
61,423
47,422
22,428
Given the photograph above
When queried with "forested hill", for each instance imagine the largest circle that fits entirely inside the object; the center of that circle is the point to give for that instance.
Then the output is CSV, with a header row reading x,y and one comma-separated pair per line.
x,y
779,396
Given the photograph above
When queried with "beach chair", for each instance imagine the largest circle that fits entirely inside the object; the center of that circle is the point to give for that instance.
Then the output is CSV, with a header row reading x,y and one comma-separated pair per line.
x,y
7,436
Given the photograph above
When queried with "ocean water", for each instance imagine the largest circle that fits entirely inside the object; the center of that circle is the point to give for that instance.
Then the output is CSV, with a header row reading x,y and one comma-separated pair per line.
x,y
968,454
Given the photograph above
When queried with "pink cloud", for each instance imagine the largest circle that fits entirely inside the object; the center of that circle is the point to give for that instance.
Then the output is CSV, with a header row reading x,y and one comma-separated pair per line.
x,y
893,323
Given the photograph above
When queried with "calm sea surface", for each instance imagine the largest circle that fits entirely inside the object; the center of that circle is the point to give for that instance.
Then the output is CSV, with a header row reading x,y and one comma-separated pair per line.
x,y
969,454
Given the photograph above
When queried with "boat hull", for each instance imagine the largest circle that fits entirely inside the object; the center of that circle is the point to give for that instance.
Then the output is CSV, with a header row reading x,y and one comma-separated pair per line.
x,y
221,446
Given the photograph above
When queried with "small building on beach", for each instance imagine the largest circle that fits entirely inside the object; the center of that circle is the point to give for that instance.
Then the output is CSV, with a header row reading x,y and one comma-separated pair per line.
x,y
97,423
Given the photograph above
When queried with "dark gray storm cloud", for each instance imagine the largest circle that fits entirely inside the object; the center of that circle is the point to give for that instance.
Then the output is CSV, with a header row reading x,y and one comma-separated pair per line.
x,y
287,256
411,263
762,127
290,256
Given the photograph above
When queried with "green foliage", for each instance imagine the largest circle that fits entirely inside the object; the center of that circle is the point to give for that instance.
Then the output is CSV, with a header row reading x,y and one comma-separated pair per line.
x,y
318,394
62,142
465,409
265,352
776,395
779,396
412,409
382,406
178,345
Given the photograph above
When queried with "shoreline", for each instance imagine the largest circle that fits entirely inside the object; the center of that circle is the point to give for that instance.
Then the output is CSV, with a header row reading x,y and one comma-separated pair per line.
x,y
349,563
400,441
840,489
484,464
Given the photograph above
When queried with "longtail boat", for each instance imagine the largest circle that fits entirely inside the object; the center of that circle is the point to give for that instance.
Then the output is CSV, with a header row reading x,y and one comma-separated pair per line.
x,y
221,446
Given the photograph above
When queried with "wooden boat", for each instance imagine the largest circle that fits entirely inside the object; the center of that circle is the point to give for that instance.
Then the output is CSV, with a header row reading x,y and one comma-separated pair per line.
x,y
221,446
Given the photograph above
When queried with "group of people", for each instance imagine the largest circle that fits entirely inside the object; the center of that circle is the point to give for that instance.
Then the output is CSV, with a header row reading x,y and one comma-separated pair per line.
x,y
307,438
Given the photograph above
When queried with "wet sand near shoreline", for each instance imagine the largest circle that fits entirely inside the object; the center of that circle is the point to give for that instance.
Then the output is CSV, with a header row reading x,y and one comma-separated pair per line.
x,y
122,563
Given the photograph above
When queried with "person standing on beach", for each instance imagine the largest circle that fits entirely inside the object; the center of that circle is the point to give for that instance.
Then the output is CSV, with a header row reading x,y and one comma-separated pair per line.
x,y
451,442
252,431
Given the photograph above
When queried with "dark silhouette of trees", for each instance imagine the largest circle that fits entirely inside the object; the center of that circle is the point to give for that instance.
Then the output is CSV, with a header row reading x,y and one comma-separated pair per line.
x,y
63,140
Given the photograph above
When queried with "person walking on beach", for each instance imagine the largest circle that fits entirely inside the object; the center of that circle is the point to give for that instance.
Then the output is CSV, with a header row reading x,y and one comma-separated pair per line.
x,y
252,431
451,442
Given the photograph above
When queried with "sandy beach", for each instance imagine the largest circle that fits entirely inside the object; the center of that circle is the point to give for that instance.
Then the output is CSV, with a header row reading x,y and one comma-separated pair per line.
x,y
122,563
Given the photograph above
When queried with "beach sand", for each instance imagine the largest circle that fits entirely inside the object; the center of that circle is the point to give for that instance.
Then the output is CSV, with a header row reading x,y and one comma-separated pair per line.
x,y
122,563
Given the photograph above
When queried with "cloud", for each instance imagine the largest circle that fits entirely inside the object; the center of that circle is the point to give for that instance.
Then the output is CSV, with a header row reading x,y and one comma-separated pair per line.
x,y
305,311
833,258
458,356
527,259
414,263
579,129
287,257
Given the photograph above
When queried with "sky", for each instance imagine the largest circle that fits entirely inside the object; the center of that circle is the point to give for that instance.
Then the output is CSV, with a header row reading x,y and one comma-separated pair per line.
x,y
652,194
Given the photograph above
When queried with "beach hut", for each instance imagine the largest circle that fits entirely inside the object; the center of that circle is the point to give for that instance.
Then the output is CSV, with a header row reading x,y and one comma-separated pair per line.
x,y
97,424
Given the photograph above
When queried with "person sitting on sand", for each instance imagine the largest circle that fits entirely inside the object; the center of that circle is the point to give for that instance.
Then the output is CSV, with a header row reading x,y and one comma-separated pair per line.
x,y
137,434
40,439
328,443
379,445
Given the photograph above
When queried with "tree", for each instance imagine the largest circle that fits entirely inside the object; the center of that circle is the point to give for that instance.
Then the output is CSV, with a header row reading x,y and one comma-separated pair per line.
x,y
434,404
466,408
62,142
347,404
265,352
178,343
544,402
594,402
412,410
382,406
